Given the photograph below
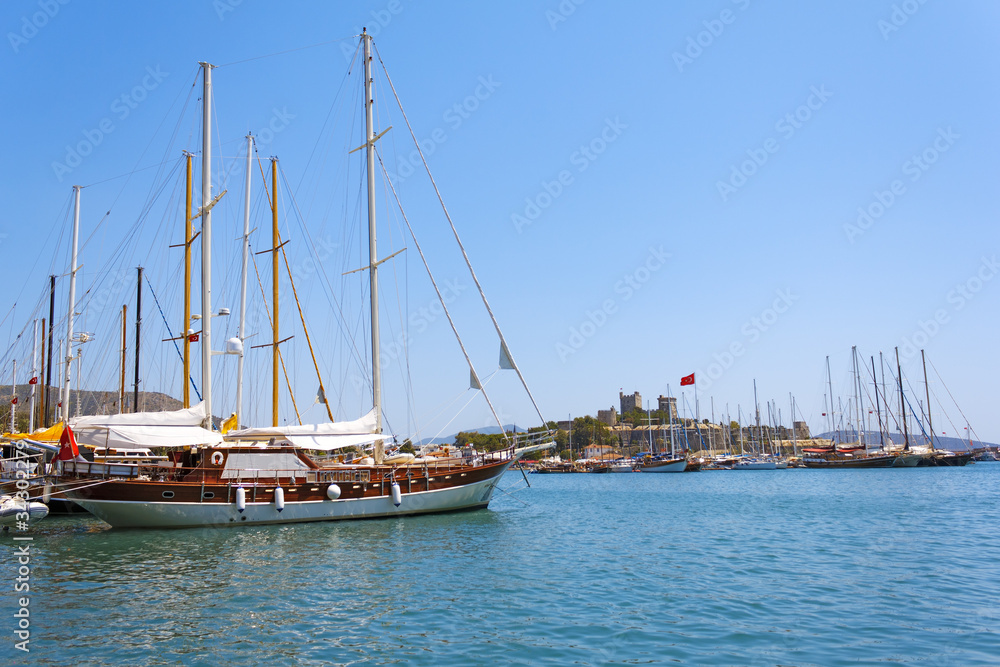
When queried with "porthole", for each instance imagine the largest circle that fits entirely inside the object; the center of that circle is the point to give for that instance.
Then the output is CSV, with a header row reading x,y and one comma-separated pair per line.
x,y
208,495
168,494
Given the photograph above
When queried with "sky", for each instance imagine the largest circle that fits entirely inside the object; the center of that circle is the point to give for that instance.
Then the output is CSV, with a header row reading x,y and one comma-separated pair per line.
x,y
735,189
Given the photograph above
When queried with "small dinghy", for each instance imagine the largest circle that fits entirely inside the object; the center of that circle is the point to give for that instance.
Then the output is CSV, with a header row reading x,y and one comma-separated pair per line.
x,y
11,506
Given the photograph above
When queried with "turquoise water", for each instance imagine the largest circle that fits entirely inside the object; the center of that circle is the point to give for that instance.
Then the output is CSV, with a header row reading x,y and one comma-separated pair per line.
x,y
792,567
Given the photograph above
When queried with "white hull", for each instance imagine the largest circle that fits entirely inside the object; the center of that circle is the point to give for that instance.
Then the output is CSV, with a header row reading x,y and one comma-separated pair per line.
x,y
132,514
907,460
757,465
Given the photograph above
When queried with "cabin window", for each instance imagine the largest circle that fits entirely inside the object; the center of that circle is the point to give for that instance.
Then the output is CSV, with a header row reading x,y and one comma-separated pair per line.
x,y
208,495
168,494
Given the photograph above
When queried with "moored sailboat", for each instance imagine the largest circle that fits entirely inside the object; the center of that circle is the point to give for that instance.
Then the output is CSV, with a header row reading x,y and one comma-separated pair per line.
x,y
266,475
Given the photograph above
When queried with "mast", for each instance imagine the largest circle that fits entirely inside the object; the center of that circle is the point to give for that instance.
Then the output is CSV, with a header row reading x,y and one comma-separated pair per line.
x,y
34,375
72,302
138,325
275,244
372,254
857,395
927,388
241,332
795,443
881,438
45,391
185,381
206,243
121,383
13,401
829,380
48,366
756,407
902,404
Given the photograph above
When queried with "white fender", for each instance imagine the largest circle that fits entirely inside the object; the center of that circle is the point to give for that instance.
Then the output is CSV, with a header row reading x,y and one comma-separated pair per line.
x,y
47,494
333,492
397,495
241,499
279,499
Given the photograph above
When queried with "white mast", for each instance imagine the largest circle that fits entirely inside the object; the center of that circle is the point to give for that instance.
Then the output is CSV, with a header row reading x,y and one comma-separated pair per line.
x,y
34,374
206,244
13,391
372,253
241,333
67,380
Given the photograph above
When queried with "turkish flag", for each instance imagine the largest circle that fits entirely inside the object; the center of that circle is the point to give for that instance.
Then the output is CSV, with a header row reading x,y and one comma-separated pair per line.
x,y
193,338
687,379
33,380
13,401
68,451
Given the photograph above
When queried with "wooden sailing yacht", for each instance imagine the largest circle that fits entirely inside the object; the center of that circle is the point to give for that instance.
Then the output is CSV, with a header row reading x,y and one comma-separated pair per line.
x,y
267,476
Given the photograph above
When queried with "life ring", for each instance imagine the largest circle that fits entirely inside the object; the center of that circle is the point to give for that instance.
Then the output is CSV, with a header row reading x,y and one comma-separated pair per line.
x,y
217,458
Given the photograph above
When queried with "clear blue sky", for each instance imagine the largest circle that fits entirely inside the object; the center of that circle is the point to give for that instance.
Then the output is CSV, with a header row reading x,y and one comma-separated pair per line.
x,y
645,189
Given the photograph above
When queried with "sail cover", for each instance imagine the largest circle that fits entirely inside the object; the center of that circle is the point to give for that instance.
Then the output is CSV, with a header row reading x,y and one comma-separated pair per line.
x,y
326,436
174,428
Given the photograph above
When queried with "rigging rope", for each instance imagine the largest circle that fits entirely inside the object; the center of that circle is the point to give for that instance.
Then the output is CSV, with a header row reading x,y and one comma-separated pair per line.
x,y
444,305
170,333
504,349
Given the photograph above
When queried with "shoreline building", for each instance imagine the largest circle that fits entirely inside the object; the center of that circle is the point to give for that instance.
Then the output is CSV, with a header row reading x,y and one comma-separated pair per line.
x,y
667,404
629,402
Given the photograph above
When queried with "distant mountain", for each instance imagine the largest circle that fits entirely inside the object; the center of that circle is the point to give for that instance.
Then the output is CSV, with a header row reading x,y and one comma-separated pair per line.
x,y
91,402
941,442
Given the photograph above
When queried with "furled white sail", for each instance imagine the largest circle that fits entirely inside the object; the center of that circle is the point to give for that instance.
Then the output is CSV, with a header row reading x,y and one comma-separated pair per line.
x,y
173,428
326,436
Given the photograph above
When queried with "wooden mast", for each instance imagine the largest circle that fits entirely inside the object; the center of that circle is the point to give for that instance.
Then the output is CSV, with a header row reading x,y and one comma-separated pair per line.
x,y
275,243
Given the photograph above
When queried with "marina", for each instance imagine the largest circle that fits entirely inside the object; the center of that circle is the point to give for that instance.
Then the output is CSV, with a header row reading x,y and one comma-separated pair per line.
x,y
775,567
523,333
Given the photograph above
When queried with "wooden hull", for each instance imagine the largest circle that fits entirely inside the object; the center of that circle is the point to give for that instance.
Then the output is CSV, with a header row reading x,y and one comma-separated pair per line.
x,y
133,503
946,460
868,462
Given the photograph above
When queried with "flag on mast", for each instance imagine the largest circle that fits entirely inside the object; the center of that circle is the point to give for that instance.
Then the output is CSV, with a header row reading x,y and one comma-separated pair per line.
x,y
687,379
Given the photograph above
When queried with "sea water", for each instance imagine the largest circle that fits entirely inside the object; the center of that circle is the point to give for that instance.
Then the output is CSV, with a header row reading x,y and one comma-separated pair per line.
x,y
786,567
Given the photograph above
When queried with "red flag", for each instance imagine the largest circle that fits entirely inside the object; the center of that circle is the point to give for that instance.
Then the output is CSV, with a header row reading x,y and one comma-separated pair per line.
x,y
193,338
33,380
13,401
687,379
68,450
